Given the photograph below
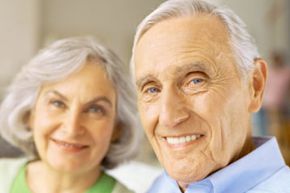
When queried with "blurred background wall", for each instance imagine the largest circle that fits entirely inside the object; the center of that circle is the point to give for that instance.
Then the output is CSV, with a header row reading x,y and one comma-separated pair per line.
x,y
19,35
28,25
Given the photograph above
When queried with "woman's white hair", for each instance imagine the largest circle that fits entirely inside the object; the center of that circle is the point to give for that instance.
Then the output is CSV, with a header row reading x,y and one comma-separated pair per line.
x,y
55,62
242,43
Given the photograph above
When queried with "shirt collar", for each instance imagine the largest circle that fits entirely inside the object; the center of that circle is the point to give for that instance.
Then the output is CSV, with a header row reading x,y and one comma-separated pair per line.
x,y
241,175
251,169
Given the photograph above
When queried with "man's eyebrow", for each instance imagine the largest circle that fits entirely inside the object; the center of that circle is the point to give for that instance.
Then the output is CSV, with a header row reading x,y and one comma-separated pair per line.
x,y
195,66
189,67
55,92
144,79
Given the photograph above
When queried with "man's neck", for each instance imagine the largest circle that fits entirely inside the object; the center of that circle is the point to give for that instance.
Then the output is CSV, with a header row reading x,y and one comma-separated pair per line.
x,y
246,149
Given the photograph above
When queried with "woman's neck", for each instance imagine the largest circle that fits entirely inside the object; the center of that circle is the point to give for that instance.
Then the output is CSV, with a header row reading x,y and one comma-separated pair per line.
x,y
41,178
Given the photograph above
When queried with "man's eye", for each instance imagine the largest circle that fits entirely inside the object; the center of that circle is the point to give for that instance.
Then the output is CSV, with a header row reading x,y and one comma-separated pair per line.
x,y
195,85
57,103
197,81
152,90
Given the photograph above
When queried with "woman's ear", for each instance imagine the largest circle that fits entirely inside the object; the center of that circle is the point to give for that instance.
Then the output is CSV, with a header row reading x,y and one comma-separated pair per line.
x,y
257,84
28,119
117,132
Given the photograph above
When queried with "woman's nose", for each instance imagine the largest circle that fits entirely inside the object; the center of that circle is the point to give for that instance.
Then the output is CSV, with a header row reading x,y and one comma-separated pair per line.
x,y
73,125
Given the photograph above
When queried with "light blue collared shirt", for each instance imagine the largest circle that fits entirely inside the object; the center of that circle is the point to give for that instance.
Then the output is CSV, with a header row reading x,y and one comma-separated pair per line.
x,y
261,171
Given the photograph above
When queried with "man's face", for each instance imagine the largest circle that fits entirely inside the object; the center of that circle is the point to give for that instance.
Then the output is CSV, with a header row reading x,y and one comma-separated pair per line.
x,y
193,105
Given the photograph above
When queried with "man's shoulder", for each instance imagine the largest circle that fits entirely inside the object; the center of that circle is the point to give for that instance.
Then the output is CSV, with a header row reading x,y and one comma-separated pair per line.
x,y
164,184
277,183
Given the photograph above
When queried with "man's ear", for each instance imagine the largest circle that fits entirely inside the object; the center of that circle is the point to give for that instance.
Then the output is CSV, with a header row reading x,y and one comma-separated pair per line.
x,y
257,84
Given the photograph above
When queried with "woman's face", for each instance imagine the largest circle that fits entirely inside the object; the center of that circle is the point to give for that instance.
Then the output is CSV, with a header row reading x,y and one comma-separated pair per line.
x,y
73,120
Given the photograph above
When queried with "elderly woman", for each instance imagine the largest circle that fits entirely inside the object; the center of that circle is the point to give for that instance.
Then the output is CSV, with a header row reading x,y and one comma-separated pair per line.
x,y
71,110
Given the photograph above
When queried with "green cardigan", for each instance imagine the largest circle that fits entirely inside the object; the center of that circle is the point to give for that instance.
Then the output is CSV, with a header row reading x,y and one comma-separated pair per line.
x,y
9,169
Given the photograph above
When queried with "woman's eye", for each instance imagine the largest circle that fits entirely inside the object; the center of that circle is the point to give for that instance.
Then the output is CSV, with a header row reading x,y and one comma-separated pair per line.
x,y
96,109
57,103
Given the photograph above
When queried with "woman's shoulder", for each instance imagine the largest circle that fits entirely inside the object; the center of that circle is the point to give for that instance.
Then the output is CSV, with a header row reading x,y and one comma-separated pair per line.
x,y
9,168
8,165
127,175
12,161
120,188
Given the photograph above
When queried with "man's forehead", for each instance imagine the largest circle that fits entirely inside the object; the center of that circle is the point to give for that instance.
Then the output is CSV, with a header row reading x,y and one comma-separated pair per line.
x,y
175,71
202,25
203,31
185,42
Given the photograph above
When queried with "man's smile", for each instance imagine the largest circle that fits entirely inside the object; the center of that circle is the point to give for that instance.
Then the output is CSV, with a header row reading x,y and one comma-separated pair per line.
x,y
182,140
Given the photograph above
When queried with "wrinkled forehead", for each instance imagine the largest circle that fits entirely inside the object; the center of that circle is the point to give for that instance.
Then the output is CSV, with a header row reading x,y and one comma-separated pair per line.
x,y
203,38
200,25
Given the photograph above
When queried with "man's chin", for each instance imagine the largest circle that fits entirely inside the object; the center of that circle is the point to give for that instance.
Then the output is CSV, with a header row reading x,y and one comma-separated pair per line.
x,y
185,178
186,175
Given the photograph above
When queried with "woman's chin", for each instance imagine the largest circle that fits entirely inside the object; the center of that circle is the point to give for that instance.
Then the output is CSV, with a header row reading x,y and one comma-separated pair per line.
x,y
64,164
63,167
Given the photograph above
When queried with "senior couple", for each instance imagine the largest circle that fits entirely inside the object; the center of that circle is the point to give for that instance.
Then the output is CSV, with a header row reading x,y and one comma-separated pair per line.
x,y
198,78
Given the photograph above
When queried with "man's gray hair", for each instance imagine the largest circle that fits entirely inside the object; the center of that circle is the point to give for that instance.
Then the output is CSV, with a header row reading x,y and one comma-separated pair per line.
x,y
242,43
56,62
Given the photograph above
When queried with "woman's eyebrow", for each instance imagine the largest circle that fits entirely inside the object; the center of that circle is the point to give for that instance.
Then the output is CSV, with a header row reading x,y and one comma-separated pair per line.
x,y
100,98
55,92
95,100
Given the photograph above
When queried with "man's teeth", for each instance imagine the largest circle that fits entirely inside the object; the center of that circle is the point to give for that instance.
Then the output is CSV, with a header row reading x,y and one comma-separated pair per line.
x,y
179,140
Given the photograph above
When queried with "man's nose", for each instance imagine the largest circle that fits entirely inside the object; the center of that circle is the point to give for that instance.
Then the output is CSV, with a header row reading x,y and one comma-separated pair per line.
x,y
73,126
172,109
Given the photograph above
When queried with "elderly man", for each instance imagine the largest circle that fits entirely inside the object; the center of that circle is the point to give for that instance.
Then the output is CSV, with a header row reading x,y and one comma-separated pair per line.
x,y
199,78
